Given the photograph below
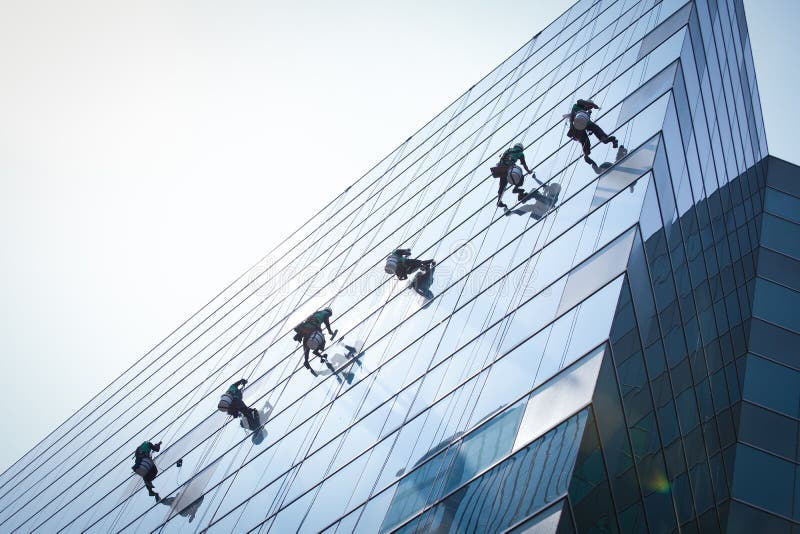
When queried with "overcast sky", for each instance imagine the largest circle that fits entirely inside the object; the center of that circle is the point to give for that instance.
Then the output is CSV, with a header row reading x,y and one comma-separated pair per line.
x,y
145,150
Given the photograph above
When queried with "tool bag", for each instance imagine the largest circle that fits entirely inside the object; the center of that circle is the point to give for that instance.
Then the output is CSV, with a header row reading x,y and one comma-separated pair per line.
x,y
315,341
225,402
581,120
143,466
391,264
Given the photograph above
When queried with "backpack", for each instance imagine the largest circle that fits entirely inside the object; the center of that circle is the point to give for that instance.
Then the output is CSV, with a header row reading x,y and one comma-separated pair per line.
x,y
391,264
225,402
581,120
143,466
316,341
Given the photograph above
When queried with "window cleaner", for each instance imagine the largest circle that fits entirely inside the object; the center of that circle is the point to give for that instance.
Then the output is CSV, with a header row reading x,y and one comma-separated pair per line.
x,y
581,125
313,323
309,332
505,170
232,404
145,467
398,263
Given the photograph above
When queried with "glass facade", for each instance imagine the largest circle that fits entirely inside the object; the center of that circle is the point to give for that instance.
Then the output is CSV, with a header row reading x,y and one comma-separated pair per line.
x,y
621,362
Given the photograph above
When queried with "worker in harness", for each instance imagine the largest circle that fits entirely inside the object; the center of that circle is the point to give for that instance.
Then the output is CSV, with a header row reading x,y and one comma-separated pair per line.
x,y
145,467
309,332
399,264
232,404
507,170
581,125
313,323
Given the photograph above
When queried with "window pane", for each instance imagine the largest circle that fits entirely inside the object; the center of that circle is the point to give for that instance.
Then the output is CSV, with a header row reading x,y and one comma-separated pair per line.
x,y
566,394
777,304
772,385
775,342
781,235
782,204
595,272
544,522
625,173
664,30
763,479
768,430
779,268
743,519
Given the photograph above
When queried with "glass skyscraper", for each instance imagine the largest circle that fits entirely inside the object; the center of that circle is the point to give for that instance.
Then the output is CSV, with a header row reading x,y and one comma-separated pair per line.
x,y
625,361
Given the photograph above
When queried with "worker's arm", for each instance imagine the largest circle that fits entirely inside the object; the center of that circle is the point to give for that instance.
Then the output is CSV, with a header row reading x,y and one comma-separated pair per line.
x,y
328,326
156,446
524,164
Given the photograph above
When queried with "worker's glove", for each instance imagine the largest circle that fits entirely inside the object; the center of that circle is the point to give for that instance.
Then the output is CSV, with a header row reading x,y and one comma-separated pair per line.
x,y
244,381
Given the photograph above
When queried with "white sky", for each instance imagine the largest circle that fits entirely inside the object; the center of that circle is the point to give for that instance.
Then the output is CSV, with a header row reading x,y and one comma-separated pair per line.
x,y
151,151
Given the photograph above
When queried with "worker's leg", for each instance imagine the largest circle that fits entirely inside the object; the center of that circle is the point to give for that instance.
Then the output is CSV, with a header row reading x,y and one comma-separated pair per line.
x,y
239,406
586,145
500,190
598,132
148,481
518,189
412,265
